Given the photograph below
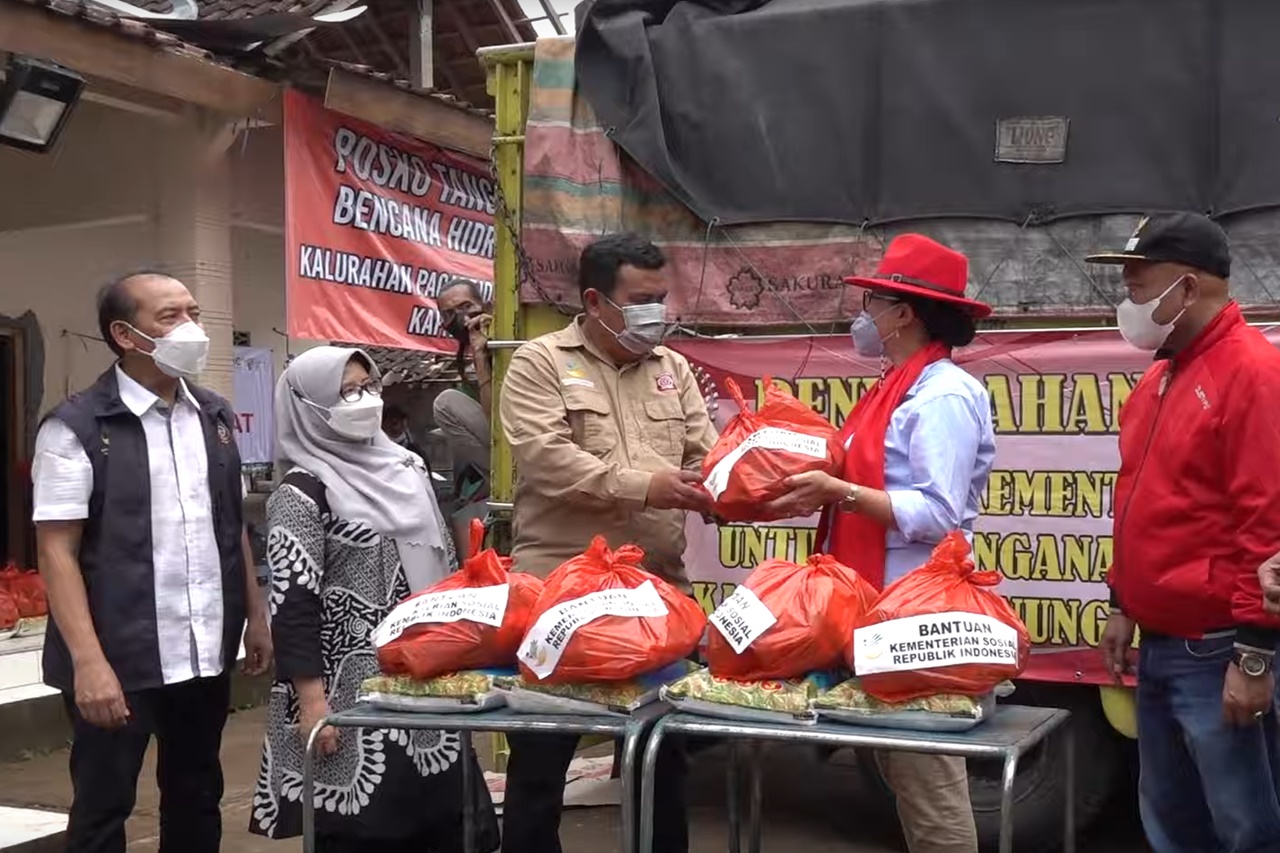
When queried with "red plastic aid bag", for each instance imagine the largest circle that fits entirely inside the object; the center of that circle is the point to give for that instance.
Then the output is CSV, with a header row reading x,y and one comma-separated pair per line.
x,y
787,620
8,575
473,619
27,589
8,611
939,629
602,617
758,450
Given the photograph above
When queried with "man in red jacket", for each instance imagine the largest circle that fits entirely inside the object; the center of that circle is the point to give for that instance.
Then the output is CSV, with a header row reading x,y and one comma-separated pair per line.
x,y
1197,511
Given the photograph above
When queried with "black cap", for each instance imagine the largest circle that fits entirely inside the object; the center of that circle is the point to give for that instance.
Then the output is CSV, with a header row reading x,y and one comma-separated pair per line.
x,y
1175,238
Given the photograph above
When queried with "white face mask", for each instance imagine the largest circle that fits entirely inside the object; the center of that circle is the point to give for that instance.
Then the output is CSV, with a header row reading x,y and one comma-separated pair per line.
x,y
181,353
1137,323
644,326
358,421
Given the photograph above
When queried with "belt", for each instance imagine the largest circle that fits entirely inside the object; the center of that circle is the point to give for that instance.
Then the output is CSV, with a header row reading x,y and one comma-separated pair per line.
x,y
1213,634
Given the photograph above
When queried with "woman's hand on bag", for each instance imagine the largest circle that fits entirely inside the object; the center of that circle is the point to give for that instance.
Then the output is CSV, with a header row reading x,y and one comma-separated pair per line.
x,y
806,494
310,713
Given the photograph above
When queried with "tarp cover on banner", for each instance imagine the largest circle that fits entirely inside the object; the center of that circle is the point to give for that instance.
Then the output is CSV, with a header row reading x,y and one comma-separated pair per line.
x,y
880,110
252,390
1046,515
375,224
578,185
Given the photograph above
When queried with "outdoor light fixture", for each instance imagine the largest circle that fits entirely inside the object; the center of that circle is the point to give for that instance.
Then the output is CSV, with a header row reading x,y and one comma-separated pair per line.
x,y
36,102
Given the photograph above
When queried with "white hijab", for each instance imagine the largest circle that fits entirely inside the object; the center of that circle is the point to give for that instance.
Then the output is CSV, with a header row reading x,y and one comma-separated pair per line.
x,y
375,481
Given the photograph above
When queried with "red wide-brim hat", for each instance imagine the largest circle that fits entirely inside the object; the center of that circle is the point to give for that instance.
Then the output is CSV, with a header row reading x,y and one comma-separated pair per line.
x,y
918,266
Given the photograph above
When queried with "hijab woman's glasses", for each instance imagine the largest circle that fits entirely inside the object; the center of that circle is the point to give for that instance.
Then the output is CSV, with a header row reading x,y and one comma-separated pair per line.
x,y
353,393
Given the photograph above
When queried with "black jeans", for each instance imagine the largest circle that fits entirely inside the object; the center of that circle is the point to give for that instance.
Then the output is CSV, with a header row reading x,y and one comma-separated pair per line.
x,y
536,769
187,721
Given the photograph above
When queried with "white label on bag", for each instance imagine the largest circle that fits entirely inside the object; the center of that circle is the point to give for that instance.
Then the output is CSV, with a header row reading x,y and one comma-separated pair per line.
x,y
769,438
548,636
484,604
932,641
741,618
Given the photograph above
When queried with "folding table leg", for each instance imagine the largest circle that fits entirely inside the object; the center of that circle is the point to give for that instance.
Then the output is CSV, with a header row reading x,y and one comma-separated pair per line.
x,y
732,794
1006,800
309,789
630,746
646,786
1069,819
757,798
468,796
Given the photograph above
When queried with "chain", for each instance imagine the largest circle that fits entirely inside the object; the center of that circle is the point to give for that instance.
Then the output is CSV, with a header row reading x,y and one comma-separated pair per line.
x,y
524,266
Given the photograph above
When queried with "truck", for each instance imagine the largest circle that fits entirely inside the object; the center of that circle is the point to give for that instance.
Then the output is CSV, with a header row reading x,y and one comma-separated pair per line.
x,y
764,299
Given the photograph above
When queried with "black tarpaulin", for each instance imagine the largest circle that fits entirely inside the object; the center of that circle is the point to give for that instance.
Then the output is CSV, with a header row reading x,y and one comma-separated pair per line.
x,y
882,110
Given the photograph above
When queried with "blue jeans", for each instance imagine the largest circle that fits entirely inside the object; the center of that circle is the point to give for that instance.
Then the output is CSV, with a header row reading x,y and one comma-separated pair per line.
x,y
1206,786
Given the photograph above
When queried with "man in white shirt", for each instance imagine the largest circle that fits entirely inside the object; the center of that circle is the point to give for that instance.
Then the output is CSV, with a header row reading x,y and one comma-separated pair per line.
x,y
139,523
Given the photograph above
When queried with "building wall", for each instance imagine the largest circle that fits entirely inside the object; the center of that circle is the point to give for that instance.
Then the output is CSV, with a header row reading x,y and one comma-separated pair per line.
x,y
101,168
54,272
88,211
257,165
74,218
259,292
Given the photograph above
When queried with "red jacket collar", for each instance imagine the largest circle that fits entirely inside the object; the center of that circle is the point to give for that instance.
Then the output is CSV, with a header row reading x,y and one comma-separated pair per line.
x,y
1228,320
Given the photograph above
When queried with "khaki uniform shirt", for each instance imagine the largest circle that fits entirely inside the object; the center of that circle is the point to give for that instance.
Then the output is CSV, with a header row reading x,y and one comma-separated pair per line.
x,y
586,436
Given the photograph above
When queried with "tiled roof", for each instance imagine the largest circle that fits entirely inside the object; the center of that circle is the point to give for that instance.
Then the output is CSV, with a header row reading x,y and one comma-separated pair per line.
x,y
95,14
214,10
412,368
378,42
138,29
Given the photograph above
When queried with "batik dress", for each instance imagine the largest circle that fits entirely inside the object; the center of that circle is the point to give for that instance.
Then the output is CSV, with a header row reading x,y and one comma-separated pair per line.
x,y
333,580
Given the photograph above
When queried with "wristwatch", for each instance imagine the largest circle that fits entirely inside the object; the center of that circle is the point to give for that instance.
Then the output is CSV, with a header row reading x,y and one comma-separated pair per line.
x,y
849,503
1253,664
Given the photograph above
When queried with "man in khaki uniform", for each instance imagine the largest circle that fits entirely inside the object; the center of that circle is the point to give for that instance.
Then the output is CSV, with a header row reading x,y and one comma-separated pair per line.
x,y
608,430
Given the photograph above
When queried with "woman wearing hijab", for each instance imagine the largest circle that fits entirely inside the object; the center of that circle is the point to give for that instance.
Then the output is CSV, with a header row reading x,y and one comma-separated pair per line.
x,y
353,528
919,448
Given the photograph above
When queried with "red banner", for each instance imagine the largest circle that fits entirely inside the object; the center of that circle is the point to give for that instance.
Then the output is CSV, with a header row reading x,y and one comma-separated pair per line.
x,y
375,224
1046,514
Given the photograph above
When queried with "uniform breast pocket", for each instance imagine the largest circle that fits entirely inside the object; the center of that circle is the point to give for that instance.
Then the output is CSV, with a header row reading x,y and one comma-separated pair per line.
x,y
664,428
591,419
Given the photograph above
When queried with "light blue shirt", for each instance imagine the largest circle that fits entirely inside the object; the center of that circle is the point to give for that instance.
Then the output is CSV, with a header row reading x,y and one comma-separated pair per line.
x,y
938,453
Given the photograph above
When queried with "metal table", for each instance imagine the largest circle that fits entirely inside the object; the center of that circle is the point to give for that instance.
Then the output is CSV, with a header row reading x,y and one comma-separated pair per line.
x,y
630,728
1010,732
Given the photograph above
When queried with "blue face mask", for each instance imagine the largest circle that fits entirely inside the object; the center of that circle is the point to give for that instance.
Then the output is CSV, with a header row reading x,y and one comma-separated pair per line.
x,y
866,337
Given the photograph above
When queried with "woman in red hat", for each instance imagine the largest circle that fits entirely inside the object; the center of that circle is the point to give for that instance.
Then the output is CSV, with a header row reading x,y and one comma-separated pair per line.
x,y
920,446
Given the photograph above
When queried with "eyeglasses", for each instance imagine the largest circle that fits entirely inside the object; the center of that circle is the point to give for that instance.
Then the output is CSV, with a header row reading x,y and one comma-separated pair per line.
x,y
372,387
868,295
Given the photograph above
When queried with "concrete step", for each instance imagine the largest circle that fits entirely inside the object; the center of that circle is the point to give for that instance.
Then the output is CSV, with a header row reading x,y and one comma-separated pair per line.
x,y
32,717
33,722
39,724
31,830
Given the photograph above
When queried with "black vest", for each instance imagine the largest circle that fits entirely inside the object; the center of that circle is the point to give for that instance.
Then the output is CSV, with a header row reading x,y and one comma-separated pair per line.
x,y
115,546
